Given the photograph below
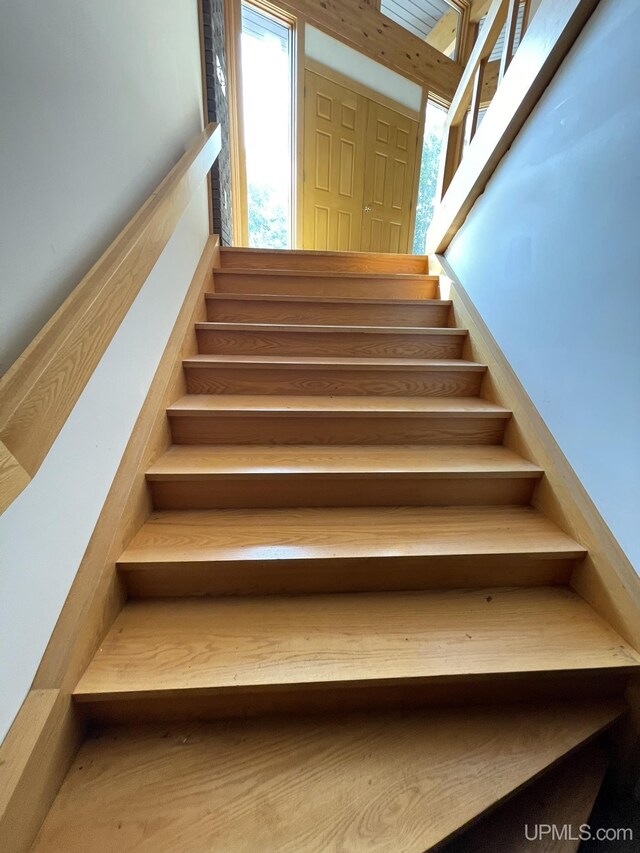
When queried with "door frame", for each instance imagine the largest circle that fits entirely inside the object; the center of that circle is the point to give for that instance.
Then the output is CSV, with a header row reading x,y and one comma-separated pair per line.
x,y
418,168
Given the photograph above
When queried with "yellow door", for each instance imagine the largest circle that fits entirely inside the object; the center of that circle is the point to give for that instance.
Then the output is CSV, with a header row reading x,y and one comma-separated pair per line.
x,y
335,121
389,176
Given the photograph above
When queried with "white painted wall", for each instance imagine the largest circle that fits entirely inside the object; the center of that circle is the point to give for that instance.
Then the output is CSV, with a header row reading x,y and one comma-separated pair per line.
x,y
361,68
98,101
45,531
550,254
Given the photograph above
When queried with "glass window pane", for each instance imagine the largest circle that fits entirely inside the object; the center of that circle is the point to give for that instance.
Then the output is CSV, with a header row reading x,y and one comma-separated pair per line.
x,y
266,92
434,124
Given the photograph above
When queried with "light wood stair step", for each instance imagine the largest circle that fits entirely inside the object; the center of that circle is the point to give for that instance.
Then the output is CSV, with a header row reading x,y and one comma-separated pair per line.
x,y
251,419
306,282
346,376
234,257
358,341
562,797
256,654
386,782
195,477
252,308
215,552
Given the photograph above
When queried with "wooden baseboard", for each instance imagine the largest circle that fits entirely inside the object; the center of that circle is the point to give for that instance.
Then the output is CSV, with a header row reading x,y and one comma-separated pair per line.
x,y
45,735
605,578
34,759
13,477
96,595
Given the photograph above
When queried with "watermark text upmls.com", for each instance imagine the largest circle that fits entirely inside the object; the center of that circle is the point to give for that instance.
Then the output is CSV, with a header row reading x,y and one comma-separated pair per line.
x,y
568,832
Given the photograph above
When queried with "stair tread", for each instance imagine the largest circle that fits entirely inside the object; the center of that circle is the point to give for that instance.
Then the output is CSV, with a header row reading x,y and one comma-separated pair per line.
x,y
301,328
304,273
321,362
187,461
441,765
160,647
204,404
564,796
328,532
338,300
229,253
305,785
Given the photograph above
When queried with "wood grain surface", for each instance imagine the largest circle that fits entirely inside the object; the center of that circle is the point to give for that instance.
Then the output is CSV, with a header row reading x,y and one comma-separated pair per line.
x,y
370,783
249,308
158,648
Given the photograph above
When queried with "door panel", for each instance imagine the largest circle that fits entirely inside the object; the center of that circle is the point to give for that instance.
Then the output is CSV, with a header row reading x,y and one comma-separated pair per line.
x,y
359,169
392,144
335,122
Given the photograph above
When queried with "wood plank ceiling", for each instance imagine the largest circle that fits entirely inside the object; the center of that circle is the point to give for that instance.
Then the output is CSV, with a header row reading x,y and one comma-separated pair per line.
x,y
417,16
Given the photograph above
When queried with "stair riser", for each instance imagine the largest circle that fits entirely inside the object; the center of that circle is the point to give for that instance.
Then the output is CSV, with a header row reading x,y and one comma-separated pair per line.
x,y
329,285
337,345
342,574
247,429
358,382
330,314
372,262
250,702
383,490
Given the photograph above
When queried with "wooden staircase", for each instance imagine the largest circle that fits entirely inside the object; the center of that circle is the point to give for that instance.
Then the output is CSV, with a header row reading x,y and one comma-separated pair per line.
x,y
347,628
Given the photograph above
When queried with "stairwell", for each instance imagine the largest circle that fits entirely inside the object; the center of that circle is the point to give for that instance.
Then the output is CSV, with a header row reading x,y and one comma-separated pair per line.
x,y
347,628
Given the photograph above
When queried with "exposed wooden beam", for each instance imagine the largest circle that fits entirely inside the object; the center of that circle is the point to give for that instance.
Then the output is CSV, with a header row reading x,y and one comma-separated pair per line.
x,y
443,36
489,82
454,131
479,9
481,50
362,27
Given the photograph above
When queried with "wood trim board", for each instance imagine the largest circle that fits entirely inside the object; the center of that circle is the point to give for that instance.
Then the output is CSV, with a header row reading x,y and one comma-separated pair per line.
x,y
485,42
418,167
606,578
232,31
39,391
45,735
34,759
205,106
298,140
95,596
362,27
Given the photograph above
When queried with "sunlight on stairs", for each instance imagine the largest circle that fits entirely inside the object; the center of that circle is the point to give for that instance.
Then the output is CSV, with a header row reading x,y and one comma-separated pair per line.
x,y
347,628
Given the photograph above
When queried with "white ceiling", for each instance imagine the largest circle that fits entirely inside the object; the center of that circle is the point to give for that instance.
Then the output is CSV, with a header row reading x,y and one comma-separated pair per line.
x,y
417,16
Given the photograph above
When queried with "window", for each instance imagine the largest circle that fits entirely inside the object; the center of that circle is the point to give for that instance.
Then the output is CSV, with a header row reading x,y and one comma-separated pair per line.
x,y
267,114
434,124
